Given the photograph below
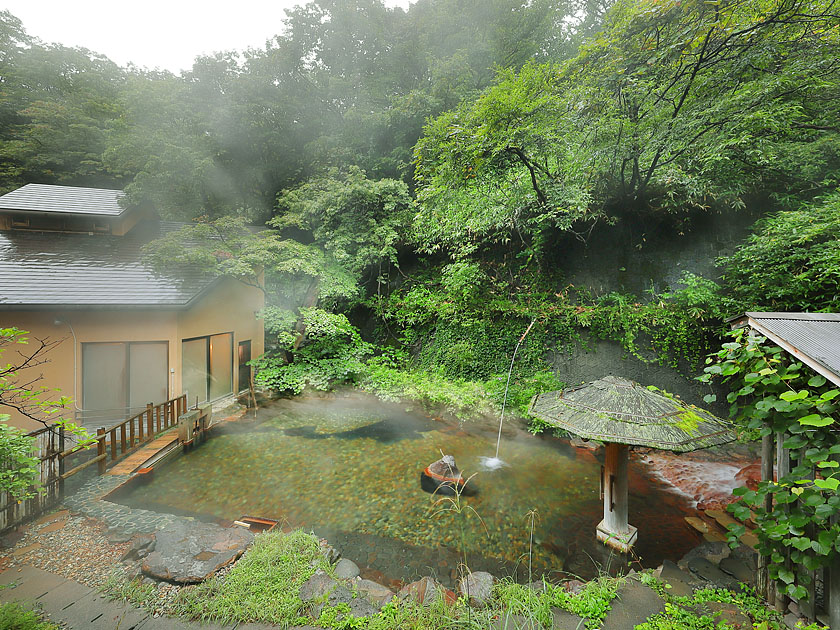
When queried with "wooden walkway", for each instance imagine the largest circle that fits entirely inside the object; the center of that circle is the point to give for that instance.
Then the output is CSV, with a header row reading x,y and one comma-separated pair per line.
x,y
143,454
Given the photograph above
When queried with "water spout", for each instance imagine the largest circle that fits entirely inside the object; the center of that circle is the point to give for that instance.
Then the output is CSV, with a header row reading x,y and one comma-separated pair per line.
x,y
492,463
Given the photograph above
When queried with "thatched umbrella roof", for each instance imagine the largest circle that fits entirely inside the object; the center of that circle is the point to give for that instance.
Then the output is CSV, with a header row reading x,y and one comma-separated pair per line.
x,y
618,410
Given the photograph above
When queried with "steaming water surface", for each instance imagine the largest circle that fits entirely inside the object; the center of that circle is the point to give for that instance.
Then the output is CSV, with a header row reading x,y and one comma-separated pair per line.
x,y
347,467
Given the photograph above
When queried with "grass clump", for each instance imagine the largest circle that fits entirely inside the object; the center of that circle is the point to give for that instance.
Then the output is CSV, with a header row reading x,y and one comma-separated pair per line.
x,y
263,586
13,616
134,591
592,602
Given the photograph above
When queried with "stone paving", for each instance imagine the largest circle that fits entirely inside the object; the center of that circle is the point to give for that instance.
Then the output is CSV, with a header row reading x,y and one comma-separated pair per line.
x,y
89,500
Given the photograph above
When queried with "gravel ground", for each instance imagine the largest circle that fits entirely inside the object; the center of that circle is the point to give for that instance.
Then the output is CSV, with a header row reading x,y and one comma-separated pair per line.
x,y
75,547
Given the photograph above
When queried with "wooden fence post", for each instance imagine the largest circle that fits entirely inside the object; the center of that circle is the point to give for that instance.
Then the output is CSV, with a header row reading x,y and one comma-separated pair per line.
x,y
100,449
832,592
60,463
149,421
808,605
782,469
763,585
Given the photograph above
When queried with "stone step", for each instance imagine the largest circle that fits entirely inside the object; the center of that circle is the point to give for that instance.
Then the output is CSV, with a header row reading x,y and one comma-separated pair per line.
x,y
634,603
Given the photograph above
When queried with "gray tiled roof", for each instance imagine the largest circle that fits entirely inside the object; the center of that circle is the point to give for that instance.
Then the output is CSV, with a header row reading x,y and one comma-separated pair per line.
x,y
813,337
53,269
64,200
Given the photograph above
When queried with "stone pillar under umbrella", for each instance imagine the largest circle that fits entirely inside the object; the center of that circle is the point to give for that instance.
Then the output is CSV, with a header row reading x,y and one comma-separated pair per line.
x,y
620,412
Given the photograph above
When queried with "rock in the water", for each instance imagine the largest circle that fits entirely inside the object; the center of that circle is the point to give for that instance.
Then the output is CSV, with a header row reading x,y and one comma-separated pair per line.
x,y
446,467
187,553
374,592
425,591
634,603
477,587
346,569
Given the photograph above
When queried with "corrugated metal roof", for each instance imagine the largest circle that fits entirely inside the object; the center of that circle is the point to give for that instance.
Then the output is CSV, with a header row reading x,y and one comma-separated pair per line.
x,y
53,269
63,200
812,337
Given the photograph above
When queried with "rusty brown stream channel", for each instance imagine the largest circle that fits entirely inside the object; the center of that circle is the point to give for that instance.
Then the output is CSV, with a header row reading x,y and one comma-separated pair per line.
x,y
347,467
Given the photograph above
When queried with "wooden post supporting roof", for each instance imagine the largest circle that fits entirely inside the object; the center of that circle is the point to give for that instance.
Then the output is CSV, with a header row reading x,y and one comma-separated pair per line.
x,y
614,530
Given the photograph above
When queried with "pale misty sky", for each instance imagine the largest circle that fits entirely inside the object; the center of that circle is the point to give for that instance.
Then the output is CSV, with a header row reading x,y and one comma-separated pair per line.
x,y
155,33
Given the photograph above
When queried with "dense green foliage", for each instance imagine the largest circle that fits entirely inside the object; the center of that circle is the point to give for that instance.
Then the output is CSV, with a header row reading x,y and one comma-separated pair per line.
x,y
673,107
772,392
416,178
791,262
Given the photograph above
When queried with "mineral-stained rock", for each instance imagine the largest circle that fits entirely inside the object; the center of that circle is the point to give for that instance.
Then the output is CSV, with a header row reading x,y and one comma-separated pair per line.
x,y
477,586
346,569
425,591
374,592
749,475
189,552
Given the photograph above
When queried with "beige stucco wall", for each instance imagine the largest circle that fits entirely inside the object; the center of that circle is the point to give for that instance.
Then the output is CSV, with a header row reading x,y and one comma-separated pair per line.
x,y
227,307
230,307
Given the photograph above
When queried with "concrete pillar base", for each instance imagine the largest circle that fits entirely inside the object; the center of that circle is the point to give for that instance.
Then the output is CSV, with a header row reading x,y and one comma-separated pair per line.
x,y
620,541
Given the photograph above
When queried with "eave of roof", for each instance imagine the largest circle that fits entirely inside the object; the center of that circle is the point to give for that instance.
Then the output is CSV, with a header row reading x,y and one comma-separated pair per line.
x,y
70,200
813,338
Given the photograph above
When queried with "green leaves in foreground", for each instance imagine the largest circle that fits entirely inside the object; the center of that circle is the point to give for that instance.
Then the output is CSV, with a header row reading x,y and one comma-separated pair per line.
x,y
772,392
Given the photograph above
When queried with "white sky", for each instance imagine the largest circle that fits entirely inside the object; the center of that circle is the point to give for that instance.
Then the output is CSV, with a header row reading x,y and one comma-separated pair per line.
x,y
155,33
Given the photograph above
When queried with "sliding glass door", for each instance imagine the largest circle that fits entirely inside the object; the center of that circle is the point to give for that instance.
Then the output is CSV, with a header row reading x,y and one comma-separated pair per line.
x,y
207,367
119,378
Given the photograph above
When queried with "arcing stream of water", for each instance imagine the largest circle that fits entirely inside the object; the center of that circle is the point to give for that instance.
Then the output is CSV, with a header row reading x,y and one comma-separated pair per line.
x,y
494,463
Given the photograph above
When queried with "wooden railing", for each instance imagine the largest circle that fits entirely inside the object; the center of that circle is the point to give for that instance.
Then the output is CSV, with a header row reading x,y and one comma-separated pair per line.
x,y
114,442
111,443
